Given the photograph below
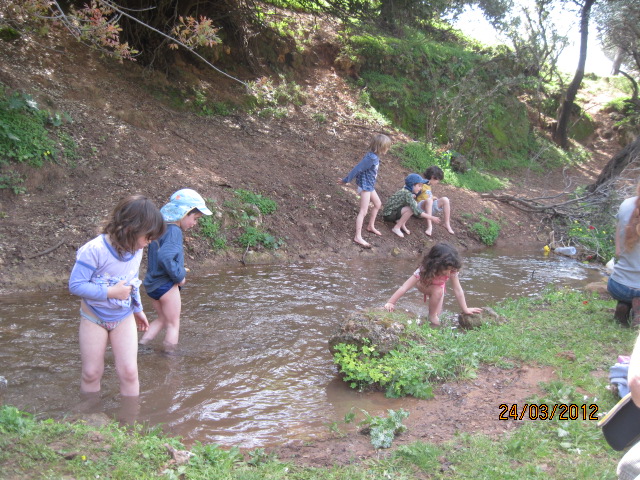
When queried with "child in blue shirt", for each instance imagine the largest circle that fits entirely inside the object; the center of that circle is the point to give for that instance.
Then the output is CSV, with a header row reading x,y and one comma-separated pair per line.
x,y
165,270
366,174
105,276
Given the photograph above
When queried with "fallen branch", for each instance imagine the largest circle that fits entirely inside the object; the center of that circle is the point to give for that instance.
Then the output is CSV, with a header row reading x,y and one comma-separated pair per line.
x,y
48,250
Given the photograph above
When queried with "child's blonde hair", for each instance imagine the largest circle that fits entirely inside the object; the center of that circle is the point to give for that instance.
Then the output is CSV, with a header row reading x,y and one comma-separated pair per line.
x,y
133,217
379,143
632,231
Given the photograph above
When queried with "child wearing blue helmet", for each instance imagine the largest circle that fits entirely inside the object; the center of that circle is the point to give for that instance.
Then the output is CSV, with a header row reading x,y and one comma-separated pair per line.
x,y
166,272
402,205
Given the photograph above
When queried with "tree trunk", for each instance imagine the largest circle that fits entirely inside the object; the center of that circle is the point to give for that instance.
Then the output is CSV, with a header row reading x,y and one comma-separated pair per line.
x,y
560,135
617,164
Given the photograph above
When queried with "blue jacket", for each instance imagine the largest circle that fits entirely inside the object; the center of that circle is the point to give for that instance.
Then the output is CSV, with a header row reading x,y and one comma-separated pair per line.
x,y
165,259
365,172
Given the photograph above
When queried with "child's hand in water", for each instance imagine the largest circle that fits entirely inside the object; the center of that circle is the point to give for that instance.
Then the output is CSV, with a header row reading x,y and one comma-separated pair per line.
x,y
119,291
389,306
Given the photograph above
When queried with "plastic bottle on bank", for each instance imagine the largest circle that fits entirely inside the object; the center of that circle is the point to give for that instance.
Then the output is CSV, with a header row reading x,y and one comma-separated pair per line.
x,y
566,250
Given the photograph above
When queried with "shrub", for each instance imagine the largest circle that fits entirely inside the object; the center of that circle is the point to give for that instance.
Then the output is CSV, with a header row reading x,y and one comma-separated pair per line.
x,y
487,230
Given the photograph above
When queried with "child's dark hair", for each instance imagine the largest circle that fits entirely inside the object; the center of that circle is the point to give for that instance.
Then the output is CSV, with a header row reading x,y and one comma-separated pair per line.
x,y
379,143
441,257
133,217
434,172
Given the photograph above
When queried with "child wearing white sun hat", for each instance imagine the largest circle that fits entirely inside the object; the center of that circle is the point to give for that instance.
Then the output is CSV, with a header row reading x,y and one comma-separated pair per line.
x,y
165,267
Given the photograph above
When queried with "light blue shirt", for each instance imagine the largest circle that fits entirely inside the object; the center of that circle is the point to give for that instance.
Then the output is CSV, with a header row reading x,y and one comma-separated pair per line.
x,y
98,267
627,269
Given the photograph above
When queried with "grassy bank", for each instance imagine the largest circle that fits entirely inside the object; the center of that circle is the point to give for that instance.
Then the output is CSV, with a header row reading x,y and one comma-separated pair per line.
x,y
571,331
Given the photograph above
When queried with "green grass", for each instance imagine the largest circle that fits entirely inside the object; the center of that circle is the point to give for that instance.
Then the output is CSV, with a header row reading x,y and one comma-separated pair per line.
x,y
537,332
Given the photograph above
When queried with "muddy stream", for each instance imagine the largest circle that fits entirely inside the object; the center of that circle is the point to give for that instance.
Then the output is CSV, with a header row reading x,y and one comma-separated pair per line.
x,y
253,368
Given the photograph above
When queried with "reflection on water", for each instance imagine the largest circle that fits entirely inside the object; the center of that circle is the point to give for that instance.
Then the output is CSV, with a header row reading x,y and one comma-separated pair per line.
x,y
253,367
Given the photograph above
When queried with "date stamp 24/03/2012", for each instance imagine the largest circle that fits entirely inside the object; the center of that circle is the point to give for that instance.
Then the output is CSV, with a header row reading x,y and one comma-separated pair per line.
x,y
560,411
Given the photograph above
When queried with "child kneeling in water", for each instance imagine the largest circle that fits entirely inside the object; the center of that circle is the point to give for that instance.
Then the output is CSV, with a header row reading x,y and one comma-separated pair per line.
x,y
442,263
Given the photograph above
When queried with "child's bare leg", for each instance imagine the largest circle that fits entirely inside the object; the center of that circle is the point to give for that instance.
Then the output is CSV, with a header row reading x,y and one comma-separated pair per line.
x,y
446,206
436,300
365,197
171,305
156,326
93,344
405,214
124,344
427,206
377,204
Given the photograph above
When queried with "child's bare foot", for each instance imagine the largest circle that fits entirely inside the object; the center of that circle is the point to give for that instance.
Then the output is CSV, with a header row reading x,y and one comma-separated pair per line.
x,y
428,231
374,230
405,230
362,243
435,322
397,231
448,227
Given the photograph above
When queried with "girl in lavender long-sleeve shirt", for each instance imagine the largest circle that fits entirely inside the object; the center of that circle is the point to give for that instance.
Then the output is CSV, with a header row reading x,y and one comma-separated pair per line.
x,y
105,277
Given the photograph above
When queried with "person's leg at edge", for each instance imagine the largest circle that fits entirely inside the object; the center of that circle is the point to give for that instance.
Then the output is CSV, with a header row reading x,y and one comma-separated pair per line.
x,y
446,206
124,344
171,306
377,204
400,225
365,198
93,345
629,465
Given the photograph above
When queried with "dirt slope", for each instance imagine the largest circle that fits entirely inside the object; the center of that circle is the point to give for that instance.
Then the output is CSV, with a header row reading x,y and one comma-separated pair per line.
x,y
130,142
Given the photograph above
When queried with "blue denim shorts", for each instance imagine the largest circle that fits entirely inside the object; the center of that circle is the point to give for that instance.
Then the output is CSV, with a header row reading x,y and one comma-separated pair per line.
x,y
621,292
161,290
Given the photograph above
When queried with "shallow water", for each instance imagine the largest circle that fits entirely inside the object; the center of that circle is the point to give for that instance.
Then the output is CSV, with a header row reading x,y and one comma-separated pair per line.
x,y
253,368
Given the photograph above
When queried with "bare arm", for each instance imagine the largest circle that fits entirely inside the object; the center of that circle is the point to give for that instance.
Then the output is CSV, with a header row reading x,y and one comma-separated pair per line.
x,y
406,286
459,294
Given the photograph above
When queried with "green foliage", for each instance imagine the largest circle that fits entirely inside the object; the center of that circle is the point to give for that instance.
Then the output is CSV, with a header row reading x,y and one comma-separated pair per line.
x,y
211,229
24,137
418,156
9,34
13,181
384,429
272,99
486,229
253,236
598,242
13,420
264,204
363,367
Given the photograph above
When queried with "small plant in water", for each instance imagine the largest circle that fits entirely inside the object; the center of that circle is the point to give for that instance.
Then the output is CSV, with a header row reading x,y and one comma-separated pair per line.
x,y
384,429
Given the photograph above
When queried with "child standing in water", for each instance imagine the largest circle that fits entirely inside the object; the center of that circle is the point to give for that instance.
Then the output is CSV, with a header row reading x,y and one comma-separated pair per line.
x,y
165,270
366,173
105,276
442,263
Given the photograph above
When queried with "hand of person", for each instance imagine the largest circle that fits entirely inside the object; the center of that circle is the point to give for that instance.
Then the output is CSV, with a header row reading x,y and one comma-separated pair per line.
x,y
340,182
389,306
182,282
435,220
471,311
141,321
119,291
